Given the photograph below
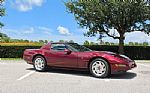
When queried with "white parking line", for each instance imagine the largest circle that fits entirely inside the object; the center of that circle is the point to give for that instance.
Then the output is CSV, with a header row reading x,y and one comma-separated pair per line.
x,y
143,65
26,75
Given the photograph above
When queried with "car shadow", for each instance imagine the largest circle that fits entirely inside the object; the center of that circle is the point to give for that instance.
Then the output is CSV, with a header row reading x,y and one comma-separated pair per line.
x,y
127,75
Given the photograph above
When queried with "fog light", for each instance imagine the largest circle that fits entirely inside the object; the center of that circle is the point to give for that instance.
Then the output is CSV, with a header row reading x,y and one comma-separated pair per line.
x,y
120,65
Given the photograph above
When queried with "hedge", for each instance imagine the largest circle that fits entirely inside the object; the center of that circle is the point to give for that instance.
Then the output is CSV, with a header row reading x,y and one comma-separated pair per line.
x,y
134,52
14,51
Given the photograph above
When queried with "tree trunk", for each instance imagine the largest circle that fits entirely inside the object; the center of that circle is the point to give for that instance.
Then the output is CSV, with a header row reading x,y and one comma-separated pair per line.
x,y
121,44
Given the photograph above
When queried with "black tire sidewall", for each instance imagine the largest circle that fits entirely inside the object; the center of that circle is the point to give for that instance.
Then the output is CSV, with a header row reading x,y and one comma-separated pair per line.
x,y
44,63
107,72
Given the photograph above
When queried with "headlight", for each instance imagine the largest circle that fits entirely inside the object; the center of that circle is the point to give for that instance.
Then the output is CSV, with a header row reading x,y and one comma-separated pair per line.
x,y
119,55
124,56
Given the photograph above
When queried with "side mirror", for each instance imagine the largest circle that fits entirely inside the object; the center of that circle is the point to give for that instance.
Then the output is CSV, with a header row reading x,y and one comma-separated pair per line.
x,y
67,51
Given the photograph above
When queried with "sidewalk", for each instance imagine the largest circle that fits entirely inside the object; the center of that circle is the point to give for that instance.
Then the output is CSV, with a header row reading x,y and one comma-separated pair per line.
x,y
142,61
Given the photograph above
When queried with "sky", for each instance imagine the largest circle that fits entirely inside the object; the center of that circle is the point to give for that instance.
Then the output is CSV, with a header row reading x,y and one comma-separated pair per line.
x,y
49,20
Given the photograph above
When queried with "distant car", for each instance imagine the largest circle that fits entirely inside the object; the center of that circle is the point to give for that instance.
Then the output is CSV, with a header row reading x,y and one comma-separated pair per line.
x,y
73,56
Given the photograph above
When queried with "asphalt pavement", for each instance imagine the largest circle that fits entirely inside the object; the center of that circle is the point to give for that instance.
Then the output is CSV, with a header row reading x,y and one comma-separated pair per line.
x,y
18,77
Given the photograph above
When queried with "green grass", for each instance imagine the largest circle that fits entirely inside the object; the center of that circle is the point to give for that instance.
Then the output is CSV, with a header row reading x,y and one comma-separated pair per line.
x,y
10,58
21,44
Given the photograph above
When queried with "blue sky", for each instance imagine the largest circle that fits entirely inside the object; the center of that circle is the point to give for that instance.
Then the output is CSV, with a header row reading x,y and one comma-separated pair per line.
x,y
48,20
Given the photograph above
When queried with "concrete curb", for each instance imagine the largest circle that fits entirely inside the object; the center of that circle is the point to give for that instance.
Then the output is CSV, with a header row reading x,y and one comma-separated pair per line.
x,y
142,61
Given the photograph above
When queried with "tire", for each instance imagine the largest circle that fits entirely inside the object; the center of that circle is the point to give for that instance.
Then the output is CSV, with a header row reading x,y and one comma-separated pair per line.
x,y
39,63
99,68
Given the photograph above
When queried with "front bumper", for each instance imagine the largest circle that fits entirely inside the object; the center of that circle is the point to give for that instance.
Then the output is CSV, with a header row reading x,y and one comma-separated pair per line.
x,y
122,67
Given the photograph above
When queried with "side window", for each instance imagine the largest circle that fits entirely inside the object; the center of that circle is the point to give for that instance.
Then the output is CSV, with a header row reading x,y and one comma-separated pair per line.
x,y
58,47
72,48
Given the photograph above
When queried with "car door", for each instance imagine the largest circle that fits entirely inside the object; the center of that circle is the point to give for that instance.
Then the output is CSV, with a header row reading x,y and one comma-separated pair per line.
x,y
58,57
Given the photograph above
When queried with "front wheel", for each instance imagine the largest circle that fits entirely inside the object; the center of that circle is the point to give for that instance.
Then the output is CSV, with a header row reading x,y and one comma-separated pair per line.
x,y
99,68
39,63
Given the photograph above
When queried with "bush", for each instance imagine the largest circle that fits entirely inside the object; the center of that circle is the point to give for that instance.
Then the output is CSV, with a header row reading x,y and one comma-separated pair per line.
x,y
134,52
14,51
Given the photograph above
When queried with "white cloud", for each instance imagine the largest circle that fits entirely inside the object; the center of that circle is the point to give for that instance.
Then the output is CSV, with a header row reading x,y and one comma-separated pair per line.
x,y
137,37
18,32
26,5
28,31
63,30
45,30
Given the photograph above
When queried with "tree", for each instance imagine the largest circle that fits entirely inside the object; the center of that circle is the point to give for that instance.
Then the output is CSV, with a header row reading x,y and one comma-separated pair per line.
x,y
112,43
92,43
136,44
2,11
107,43
61,41
131,44
101,16
4,37
26,41
140,44
46,41
145,44
51,41
86,43
41,41
71,41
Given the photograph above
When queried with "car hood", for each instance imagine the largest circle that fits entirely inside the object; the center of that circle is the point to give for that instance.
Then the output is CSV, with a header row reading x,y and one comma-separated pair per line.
x,y
104,52
99,53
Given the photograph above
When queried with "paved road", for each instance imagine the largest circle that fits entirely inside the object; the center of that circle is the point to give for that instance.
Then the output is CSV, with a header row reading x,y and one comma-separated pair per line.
x,y
19,77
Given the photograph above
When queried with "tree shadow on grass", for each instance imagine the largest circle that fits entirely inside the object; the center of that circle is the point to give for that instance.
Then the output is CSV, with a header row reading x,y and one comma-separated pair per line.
x,y
127,75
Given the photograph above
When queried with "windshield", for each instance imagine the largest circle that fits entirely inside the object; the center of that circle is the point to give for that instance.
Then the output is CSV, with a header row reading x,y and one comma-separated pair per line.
x,y
79,48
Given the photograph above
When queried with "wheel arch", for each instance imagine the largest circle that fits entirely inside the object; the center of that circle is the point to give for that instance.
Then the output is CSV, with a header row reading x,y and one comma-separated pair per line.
x,y
101,58
38,55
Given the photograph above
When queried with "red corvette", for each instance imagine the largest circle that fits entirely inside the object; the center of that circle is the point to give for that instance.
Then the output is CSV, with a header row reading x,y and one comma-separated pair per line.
x,y
74,56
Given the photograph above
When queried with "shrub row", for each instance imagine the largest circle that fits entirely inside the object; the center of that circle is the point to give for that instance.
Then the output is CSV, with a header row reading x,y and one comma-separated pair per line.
x,y
14,51
134,52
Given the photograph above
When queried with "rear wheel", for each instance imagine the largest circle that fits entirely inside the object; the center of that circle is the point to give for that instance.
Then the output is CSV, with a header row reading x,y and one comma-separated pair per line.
x,y
39,63
99,68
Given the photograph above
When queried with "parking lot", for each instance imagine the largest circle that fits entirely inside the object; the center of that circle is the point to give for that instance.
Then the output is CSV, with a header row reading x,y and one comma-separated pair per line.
x,y
19,77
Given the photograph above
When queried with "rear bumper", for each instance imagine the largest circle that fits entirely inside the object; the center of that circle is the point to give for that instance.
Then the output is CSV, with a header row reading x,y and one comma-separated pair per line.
x,y
122,67
28,58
